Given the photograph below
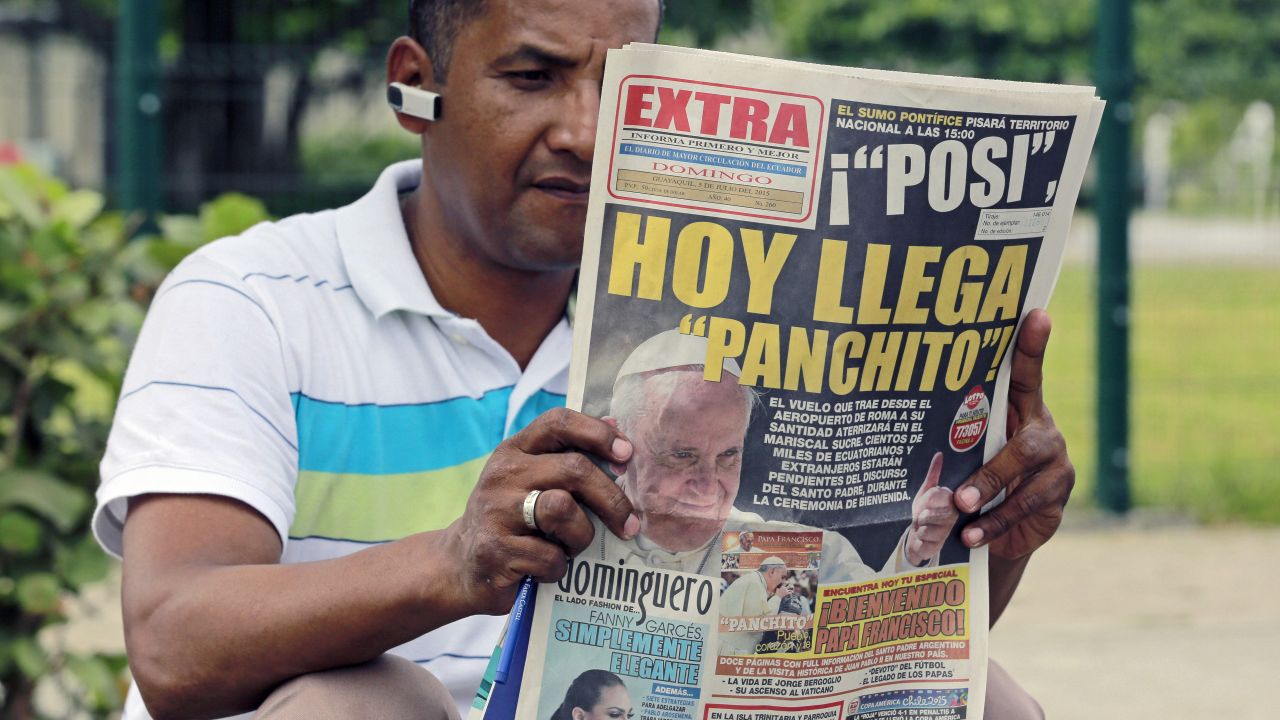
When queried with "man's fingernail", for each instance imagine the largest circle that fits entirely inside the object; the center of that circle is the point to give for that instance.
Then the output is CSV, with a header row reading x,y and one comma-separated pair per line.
x,y
970,497
621,449
631,527
973,536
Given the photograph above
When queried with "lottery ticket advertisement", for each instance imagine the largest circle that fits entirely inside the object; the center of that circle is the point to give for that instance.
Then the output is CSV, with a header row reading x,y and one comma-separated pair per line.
x,y
800,294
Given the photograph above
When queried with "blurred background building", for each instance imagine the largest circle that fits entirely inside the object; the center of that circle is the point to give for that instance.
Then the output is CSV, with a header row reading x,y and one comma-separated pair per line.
x,y
167,104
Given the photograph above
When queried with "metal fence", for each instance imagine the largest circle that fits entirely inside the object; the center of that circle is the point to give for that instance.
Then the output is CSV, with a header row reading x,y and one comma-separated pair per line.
x,y
281,99
170,104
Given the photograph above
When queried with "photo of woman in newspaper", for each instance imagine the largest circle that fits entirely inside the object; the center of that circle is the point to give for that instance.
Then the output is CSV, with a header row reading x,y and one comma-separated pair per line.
x,y
685,473
595,695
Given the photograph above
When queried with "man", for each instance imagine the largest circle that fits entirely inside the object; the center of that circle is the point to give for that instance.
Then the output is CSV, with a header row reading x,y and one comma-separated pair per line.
x,y
787,599
746,542
749,596
686,469
328,389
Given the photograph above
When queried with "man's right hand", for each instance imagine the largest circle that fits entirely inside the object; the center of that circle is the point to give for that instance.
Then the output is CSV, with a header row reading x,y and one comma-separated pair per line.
x,y
492,545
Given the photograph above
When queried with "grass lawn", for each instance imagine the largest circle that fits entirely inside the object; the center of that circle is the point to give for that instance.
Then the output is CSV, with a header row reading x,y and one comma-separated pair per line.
x,y
1205,412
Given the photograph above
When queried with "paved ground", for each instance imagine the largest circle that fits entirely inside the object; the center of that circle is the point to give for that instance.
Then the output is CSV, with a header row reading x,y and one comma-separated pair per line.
x,y
1170,622
1150,618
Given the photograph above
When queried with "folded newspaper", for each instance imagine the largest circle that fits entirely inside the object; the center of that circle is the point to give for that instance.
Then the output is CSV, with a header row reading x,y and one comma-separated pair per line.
x,y
798,296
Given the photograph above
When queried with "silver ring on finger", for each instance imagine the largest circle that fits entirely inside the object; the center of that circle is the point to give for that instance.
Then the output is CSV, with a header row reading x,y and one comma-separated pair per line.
x,y
527,510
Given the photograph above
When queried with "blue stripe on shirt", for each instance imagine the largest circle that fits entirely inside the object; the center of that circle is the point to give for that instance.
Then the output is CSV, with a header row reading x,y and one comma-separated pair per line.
x,y
386,439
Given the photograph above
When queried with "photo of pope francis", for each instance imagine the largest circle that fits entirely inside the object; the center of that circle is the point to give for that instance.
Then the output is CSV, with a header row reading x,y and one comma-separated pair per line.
x,y
684,475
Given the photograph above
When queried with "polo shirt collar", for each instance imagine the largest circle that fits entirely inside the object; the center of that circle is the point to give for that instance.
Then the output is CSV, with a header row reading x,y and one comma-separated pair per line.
x,y
376,249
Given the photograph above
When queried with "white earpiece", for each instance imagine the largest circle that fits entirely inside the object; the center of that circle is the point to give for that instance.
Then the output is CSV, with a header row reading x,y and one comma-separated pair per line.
x,y
414,101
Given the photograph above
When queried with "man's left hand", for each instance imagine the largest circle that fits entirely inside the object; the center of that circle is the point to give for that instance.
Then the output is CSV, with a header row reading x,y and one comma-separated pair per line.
x,y
1032,469
933,514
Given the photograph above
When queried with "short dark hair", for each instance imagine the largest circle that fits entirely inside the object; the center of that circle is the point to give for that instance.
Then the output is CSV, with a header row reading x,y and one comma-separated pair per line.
x,y
585,691
434,24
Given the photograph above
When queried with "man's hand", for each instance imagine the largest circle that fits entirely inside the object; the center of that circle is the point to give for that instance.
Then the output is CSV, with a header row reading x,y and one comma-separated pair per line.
x,y
1033,468
933,514
494,549
201,574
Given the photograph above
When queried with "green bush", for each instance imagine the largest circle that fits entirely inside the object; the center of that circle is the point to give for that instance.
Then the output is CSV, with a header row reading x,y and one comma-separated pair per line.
x,y
74,285
345,162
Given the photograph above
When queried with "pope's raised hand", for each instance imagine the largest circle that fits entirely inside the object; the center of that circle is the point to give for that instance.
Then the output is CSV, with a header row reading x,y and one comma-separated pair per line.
x,y
933,515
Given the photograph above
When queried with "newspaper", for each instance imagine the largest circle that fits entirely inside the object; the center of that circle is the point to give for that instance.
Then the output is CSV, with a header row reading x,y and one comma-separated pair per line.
x,y
799,291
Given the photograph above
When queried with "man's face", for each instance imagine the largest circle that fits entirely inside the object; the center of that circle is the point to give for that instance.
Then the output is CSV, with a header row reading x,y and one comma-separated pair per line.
x,y
683,478
747,541
511,157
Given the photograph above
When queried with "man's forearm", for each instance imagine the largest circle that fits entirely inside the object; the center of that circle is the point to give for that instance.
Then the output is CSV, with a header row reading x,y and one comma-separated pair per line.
x,y
1004,578
213,621
215,640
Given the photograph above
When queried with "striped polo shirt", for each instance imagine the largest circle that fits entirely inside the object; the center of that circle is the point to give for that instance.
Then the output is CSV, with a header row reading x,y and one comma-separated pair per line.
x,y
306,369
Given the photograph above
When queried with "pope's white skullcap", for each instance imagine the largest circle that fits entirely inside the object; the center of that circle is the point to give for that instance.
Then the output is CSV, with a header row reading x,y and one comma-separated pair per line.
x,y
773,561
667,350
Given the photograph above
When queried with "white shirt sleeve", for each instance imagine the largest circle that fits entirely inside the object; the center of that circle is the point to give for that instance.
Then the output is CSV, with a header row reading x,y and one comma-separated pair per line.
x,y
206,406
841,563
898,564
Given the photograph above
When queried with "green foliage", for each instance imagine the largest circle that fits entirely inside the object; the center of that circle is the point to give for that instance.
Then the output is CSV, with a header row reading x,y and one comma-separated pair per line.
x,y
1008,39
1209,49
228,215
359,26
19,534
700,22
1185,50
74,284
1211,57
334,162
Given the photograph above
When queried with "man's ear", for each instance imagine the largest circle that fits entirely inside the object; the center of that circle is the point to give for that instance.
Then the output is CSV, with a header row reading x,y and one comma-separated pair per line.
x,y
408,63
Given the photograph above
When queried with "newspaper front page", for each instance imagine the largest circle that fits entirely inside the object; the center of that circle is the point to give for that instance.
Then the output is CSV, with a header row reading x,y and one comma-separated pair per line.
x,y
799,294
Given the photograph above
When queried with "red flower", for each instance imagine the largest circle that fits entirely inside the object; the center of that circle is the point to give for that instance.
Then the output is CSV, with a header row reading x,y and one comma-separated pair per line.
x,y
9,154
